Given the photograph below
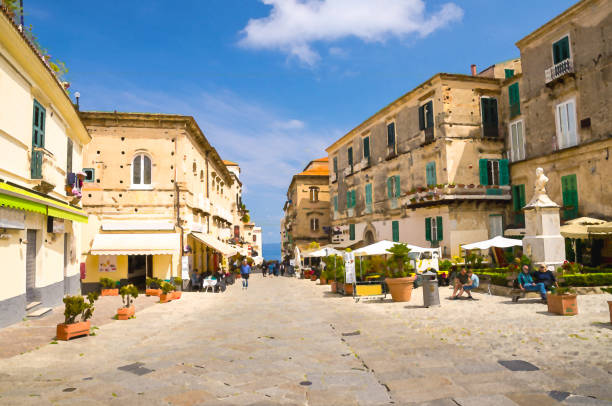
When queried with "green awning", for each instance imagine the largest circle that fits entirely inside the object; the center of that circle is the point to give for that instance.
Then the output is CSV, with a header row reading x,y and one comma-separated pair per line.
x,y
17,198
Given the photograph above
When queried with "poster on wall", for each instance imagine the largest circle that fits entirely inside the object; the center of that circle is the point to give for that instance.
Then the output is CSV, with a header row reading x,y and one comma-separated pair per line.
x,y
108,263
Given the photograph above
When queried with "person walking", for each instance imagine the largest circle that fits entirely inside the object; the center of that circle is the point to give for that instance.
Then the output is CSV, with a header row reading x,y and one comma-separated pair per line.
x,y
263,268
245,271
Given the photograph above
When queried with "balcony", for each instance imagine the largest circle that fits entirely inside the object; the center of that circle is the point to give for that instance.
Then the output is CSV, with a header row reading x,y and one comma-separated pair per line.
x,y
43,170
348,171
203,203
448,193
559,70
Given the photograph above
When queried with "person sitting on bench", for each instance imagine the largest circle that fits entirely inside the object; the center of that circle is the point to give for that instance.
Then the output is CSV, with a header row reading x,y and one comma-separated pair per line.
x,y
525,282
546,277
472,283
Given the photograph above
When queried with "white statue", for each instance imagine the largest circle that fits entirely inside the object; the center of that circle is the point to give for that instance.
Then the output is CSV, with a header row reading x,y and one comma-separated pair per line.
x,y
540,198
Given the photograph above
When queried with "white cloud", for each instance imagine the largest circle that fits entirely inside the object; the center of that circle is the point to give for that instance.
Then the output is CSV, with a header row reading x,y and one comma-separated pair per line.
x,y
294,25
290,125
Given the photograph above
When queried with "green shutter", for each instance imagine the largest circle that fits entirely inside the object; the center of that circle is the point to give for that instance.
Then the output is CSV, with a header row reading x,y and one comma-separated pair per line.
x,y
391,134
482,167
390,187
353,198
428,228
395,229
335,203
429,115
561,50
350,156
489,111
439,227
504,173
368,194
515,100
352,232
398,189
508,73
366,147
430,172
522,194
38,140
569,187
335,164
421,118
348,199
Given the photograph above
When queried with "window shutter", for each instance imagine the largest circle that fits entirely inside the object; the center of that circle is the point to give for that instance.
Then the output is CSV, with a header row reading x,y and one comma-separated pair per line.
x,y
556,53
390,188
439,227
335,164
335,203
482,166
428,228
429,118
565,54
368,194
484,107
504,173
398,189
391,134
422,118
395,229
353,198
348,199
522,195
352,232
493,112
508,73
366,147
434,179
350,156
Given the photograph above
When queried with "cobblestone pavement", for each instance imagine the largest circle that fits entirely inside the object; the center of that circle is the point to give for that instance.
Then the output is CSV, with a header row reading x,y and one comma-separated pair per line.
x,y
288,341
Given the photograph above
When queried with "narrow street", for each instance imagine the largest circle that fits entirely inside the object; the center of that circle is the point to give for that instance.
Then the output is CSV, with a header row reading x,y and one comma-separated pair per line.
x,y
288,341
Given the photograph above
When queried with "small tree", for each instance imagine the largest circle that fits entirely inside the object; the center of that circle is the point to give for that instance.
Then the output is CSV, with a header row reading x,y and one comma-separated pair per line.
x,y
400,259
76,305
127,293
167,287
107,283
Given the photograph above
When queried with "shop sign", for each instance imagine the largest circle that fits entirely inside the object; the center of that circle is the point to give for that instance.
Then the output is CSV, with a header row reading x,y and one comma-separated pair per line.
x,y
12,218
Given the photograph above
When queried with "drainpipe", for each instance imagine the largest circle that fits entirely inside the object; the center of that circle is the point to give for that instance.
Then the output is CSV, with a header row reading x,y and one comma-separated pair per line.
x,y
177,202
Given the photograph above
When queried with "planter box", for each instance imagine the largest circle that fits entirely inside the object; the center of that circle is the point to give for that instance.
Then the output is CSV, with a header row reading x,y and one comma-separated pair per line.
x,y
334,287
109,292
153,292
322,281
348,289
400,288
177,294
67,331
165,298
565,305
124,313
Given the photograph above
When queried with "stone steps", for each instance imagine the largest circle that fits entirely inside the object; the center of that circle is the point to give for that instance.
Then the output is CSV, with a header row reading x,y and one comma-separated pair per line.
x,y
39,312
31,305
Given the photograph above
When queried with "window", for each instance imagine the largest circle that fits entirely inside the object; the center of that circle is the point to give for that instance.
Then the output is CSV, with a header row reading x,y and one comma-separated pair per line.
x,y
496,225
518,202
90,174
514,99
494,172
69,146
391,139
314,224
254,237
350,158
561,50
336,165
395,230
430,173
508,73
314,194
366,148
352,232
141,171
566,124
335,203
489,116
517,141
351,199
368,197
569,189
38,140
433,229
426,116
393,187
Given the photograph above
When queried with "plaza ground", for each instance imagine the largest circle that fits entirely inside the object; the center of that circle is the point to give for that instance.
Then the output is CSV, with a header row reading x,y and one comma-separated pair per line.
x,y
288,341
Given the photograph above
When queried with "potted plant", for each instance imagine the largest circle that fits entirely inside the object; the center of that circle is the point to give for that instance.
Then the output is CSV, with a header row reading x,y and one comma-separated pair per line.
x,y
323,278
399,283
178,284
609,290
108,287
76,306
562,301
167,289
153,287
127,293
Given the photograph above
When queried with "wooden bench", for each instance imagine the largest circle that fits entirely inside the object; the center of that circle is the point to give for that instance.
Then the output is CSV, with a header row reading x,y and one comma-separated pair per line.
x,y
517,293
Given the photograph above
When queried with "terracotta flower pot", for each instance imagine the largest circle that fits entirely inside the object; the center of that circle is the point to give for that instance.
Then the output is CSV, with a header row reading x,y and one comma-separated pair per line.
x,y
165,297
153,292
334,287
177,294
322,281
109,292
565,305
124,313
348,289
313,277
400,288
67,331
238,276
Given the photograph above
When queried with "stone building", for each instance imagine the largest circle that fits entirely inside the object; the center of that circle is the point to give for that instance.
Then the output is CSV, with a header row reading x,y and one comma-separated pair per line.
x,y
557,115
307,208
158,190
428,169
41,142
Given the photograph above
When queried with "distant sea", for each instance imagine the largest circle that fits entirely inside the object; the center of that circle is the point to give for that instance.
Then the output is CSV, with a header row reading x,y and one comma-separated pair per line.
x,y
271,251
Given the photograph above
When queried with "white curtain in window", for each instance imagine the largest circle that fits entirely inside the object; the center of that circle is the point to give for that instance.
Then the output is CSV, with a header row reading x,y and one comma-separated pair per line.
x,y
566,124
517,141
141,170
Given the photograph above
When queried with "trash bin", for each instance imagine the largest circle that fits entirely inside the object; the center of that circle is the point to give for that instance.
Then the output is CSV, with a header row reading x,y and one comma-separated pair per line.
x,y
431,296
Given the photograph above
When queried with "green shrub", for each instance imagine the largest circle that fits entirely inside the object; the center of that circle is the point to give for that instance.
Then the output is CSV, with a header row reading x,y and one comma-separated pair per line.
x,y
178,281
127,292
599,269
589,279
166,287
154,283
108,283
75,306
498,279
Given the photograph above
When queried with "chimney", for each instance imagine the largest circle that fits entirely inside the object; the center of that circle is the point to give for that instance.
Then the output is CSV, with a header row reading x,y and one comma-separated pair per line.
x,y
473,70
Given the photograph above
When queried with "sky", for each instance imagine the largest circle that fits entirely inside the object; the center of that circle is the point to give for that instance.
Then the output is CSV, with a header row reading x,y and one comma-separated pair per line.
x,y
272,83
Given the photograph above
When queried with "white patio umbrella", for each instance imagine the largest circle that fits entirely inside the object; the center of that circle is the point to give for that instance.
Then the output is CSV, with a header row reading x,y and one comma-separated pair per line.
x,y
499,242
323,252
381,248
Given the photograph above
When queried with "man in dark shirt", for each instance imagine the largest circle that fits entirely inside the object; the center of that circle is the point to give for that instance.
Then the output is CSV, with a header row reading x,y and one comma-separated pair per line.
x,y
461,280
546,277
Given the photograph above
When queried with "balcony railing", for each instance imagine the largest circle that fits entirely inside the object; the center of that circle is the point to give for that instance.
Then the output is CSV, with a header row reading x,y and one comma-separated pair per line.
x,y
559,70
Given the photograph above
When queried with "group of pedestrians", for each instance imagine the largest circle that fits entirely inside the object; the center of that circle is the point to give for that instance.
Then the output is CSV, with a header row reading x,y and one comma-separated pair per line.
x,y
273,268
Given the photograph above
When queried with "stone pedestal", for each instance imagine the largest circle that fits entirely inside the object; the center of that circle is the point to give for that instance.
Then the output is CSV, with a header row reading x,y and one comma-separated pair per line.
x,y
543,242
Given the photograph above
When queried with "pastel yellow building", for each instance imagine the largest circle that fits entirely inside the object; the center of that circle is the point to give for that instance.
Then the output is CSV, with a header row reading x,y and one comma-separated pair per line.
x,y
41,143
158,195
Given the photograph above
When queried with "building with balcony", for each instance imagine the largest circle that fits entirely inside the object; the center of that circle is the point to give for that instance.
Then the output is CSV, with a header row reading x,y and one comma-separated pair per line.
x,y
428,169
41,142
307,209
158,192
557,116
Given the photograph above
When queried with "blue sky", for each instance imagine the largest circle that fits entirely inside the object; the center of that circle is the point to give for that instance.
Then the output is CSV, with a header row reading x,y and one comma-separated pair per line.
x,y
273,82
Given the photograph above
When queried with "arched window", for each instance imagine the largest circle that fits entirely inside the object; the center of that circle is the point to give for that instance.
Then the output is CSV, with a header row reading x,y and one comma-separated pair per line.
x,y
141,171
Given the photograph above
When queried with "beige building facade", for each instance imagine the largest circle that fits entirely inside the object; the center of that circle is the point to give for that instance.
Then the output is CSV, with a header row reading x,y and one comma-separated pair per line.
x,y
41,142
159,195
307,209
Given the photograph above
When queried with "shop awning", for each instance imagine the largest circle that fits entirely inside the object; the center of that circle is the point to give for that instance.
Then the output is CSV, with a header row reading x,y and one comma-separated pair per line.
x,y
210,241
21,199
136,244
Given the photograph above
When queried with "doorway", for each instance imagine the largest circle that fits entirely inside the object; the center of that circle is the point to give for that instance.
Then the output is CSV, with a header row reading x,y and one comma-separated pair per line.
x,y
140,267
31,266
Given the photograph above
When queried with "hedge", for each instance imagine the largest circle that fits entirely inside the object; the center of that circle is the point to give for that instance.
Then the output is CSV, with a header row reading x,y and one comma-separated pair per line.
x,y
496,278
589,279
599,269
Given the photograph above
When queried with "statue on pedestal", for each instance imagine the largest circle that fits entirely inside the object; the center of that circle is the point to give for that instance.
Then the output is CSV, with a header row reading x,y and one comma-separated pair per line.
x,y
540,198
